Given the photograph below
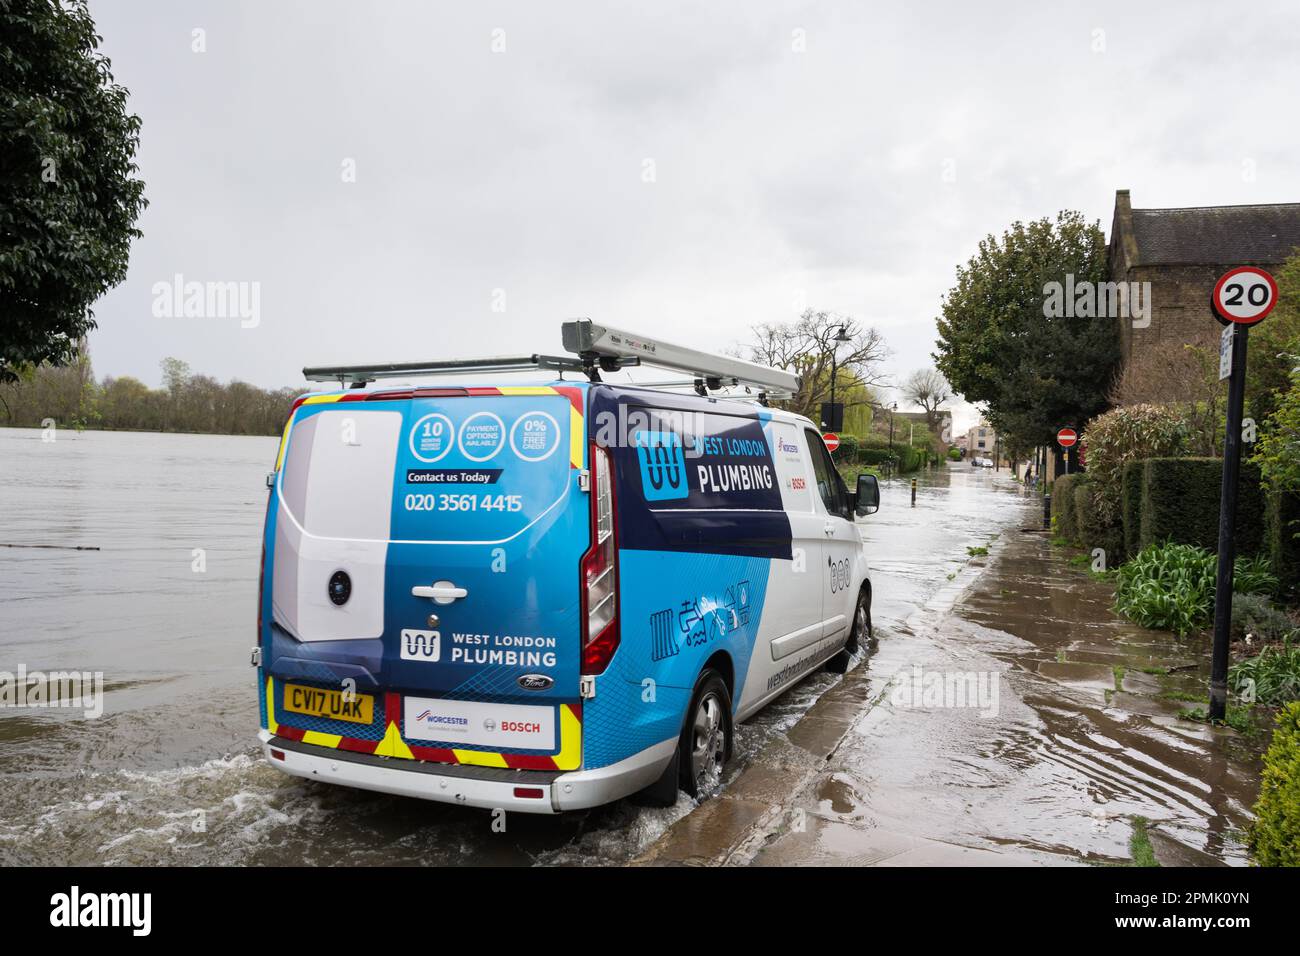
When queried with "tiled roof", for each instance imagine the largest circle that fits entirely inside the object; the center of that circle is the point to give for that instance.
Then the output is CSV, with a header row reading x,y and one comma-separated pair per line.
x,y
1216,235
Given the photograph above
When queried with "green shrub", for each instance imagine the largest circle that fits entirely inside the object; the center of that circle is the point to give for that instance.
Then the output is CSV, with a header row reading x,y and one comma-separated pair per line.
x,y
1180,503
1255,615
1271,677
1131,504
1063,506
1094,530
954,454
1283,534
1275,834
848,450
1128,433
1171,586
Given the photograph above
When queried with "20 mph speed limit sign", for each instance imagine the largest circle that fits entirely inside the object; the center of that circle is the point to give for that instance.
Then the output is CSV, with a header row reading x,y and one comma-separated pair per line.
x,y
1244,295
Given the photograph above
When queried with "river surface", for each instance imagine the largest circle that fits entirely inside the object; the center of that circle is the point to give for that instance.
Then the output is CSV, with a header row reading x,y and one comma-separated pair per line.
x,y
136,555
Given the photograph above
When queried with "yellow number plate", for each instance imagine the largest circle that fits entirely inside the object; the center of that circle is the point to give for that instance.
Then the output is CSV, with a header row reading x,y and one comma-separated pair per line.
x,y
334,704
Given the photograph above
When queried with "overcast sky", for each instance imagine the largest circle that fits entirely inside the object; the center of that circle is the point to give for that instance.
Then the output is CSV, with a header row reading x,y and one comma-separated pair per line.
x,y
841,156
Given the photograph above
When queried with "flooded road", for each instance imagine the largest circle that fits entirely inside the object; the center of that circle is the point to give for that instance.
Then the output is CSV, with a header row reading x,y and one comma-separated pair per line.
x,y
171,773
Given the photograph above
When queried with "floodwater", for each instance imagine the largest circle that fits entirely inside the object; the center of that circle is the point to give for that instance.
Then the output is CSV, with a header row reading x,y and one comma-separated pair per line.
x,y
161,598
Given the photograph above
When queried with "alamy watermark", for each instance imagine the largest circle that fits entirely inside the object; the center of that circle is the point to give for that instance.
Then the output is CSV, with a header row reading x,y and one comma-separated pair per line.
x,y
179,299
933,690
1098,300
72,690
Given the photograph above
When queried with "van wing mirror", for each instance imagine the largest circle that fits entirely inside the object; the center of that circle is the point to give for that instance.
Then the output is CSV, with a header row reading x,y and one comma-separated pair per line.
x,y
868,496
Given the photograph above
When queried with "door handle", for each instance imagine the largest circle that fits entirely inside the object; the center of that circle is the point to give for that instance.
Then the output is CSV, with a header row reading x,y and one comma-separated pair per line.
x,y
828,528
442,592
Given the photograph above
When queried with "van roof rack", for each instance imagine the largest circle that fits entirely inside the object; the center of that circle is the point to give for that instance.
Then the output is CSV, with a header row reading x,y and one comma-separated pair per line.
x,y
596,349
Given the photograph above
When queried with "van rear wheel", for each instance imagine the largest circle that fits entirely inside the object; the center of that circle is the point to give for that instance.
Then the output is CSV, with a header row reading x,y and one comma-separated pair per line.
x,y
859,635
705,745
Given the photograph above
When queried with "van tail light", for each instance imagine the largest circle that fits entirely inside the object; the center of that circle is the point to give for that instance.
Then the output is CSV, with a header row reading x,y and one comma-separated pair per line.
x,y
599,570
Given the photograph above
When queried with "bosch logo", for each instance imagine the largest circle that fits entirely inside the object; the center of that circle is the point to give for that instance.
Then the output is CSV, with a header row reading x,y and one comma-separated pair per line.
x,y
521,727
489,725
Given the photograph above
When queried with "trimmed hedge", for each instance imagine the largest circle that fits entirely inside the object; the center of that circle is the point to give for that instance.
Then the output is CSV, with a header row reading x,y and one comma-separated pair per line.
x,y
1180,503
1064,502
1093,530
1275,834
1282,527
1131,506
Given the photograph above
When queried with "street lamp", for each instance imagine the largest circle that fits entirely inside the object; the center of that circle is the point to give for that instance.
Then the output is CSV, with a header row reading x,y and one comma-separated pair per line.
x,y
840,338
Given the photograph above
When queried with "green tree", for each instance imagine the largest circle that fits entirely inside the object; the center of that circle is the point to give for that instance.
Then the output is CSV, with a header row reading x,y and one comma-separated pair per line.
x,y
1002,343
1273,345
69,199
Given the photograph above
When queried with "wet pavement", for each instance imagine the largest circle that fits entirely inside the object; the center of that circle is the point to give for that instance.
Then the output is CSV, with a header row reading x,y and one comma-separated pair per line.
x,y
914,759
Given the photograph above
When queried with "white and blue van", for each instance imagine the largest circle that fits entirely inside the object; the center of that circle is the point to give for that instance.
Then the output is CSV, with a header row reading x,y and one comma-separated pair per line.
x,y
548,597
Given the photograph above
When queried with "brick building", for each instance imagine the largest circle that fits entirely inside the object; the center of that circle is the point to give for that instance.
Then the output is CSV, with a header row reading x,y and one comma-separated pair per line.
x,y
1181,252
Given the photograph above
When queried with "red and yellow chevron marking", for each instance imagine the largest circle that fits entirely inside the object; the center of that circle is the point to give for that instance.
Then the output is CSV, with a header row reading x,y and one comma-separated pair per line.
x,y
392,744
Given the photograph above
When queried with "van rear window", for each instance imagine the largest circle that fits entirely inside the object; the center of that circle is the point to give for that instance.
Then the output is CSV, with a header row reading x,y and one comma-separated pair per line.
x,y
338,472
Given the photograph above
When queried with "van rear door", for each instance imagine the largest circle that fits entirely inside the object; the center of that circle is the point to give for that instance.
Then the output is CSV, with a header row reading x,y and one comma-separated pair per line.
x,y
457,521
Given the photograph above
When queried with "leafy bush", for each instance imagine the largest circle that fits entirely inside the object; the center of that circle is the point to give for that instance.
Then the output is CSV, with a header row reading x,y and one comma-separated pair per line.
x,y
1275,834
1283,537
848,450
1171,586
954,454
1255,615
1131,502
1064,501
1128,433
1271,677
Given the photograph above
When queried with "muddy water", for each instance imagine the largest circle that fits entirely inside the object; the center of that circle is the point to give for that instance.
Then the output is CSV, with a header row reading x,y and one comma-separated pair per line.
x,y
165,607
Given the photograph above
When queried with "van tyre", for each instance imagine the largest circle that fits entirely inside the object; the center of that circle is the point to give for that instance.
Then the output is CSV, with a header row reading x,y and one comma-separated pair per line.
x,y
705,745
859,635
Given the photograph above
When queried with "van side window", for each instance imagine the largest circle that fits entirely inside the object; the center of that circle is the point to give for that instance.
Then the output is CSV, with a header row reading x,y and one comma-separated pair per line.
x,y
829,484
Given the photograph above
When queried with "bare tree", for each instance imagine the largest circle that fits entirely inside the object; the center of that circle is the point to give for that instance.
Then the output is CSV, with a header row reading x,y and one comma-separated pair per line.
x,y
1182,376
808,347
927,388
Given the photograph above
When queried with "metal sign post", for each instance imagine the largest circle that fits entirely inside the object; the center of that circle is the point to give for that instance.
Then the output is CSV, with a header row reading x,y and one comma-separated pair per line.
x,y
1241,297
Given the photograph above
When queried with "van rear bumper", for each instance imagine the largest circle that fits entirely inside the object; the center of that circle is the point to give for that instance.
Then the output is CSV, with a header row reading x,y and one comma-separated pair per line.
x,y
467,785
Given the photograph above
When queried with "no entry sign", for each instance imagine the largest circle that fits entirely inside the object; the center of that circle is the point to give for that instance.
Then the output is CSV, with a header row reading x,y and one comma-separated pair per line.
x,y
1244,295
832,441
1067,437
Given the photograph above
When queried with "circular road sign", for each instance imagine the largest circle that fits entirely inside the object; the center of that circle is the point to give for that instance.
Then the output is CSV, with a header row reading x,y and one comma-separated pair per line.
x,y
832,441
1067,437
1244,295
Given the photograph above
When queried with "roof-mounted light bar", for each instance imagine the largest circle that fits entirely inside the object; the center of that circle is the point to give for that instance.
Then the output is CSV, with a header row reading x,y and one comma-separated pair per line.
x,y
603,343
